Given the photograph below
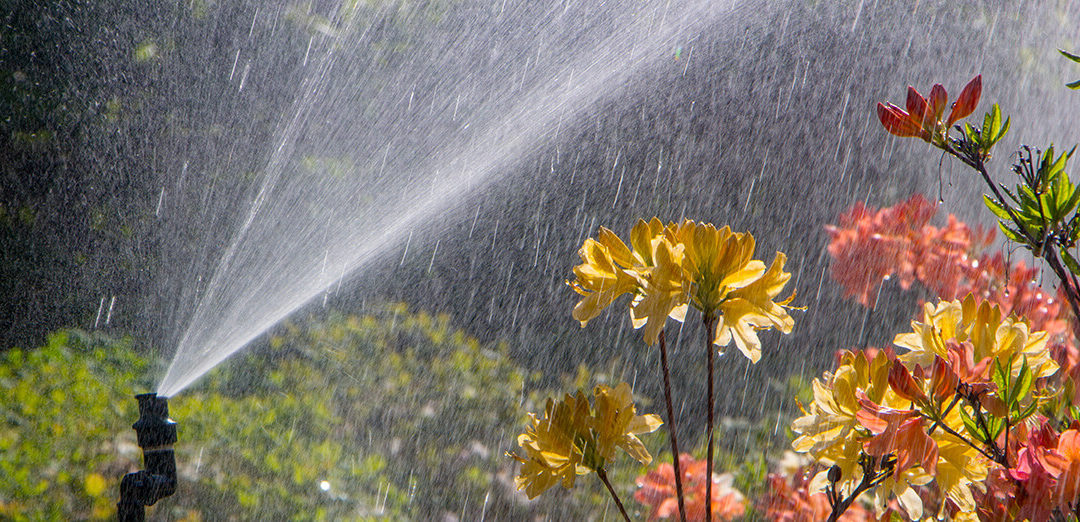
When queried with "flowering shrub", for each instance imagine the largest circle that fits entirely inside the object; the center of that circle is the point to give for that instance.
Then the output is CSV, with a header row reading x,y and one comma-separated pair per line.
x,y
973,417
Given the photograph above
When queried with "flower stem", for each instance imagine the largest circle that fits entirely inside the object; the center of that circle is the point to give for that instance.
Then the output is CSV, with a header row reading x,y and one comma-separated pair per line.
x,y
671,427
1072,293
603,476
710,322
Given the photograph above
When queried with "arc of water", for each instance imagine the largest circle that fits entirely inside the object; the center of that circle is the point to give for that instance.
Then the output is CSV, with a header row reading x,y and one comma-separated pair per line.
x,y
214,334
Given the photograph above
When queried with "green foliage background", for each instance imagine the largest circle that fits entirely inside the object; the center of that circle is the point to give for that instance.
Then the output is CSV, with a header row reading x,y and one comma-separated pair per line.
x,y
402,415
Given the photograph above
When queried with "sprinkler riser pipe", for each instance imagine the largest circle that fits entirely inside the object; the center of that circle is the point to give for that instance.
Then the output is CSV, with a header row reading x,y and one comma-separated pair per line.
x,y
156,434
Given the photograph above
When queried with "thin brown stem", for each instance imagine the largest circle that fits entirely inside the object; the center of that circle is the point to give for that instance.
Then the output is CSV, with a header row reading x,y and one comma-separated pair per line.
x,y
944,413
1072,293
671,427
710,322
603,476
869,480
967,441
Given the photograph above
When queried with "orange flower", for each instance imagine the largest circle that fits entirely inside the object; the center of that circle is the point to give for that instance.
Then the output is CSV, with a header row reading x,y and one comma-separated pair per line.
x,y
923,116
657,490
793,502
1064,464
900,432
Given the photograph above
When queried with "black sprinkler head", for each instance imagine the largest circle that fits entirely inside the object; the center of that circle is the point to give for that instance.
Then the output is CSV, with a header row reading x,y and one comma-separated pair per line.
x,y
156,433
154,427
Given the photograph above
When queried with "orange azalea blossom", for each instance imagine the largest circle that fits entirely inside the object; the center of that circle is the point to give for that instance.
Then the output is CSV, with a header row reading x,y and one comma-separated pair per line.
x,y
923,117
897,431
1030,496
941,384
793,502
870,245
1064,465
657,490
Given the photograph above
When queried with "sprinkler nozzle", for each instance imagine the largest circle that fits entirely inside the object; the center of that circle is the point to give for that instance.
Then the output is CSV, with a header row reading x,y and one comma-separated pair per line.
x,y
157,434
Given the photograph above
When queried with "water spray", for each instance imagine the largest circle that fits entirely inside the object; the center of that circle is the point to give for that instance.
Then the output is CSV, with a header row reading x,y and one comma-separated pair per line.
x,y
157,434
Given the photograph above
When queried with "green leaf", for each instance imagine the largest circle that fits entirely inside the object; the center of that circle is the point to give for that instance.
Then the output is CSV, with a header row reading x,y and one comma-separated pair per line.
x,y
969,133
994,426
1001,378
1004,129
1026,413
972,427
1024,380
1011,234
1069,55
1070,205
1046,208
1009,192
1059,163
1070,262
997,209
1073,85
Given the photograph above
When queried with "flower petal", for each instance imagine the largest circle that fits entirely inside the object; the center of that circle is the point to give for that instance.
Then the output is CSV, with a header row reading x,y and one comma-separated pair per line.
x,y
917,106
966,103
938,99
896,121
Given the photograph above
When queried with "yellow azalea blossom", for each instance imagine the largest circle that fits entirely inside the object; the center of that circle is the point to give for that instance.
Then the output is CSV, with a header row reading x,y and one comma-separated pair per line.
x,y
752,308
717,261
652,271
959,466
982,324
616,423
671,267
829,431
901,485
552,444
574,439
602,277
666,290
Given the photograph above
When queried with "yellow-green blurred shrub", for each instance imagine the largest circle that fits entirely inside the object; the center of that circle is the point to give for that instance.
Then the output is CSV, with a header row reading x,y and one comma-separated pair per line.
x,y
392,415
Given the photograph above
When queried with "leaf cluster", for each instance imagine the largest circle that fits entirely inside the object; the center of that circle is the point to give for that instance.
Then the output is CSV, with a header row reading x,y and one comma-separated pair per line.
x,y
1013,392
979,141
1041,210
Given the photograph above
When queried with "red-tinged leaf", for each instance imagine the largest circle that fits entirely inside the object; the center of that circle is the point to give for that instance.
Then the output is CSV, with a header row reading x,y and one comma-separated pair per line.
x,y
916,104
938,99
968,100
901,381
897,122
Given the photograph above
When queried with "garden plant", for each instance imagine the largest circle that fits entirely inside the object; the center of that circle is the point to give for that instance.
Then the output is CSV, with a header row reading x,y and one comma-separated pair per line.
x,y
973,414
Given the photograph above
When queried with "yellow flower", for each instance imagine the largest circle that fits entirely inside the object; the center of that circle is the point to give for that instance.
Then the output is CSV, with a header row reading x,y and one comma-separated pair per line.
x,y
828,431
573,439
552,444
602,277
900,485
673,266
982,324
666,289
959,466
752,308
717,261
652,271
617,424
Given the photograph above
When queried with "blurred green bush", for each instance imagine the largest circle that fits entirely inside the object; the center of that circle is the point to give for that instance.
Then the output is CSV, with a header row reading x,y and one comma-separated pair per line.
x,y
391,415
